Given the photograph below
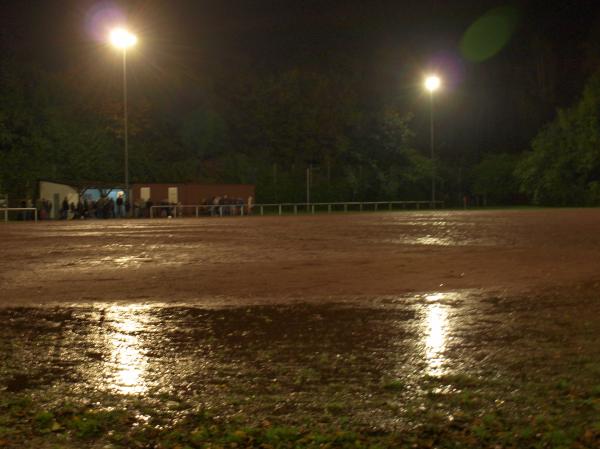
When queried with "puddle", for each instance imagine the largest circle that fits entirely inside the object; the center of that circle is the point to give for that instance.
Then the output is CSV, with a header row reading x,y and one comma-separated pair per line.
x,y
369,360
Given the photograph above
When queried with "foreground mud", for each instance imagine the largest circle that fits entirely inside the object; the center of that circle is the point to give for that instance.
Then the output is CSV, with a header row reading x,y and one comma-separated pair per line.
x,y
430,370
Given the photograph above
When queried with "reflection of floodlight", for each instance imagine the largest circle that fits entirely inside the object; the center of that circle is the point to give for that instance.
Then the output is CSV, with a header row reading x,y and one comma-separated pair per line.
x,y
121,38
432,83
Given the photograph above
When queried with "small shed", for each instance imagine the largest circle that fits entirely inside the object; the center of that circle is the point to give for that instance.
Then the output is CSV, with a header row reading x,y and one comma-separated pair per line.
x,y
189,193
56,191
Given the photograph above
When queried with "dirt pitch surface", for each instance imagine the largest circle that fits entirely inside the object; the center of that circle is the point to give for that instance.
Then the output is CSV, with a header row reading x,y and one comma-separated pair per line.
x,y
410,329
338,256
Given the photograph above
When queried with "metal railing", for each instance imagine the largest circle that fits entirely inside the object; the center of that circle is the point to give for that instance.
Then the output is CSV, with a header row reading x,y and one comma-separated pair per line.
x,y
296,208
346,206
210,209
6,210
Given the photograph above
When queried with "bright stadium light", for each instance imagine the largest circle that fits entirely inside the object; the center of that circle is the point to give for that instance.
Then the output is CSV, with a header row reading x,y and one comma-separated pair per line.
x,y
432,83
121,38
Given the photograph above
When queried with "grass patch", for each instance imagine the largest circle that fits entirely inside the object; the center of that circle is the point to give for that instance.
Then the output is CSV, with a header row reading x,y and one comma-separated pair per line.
x,y
93,423
200,430
393,385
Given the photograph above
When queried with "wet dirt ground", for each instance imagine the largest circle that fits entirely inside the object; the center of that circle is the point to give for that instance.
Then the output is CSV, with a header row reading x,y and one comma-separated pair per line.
x,y
430,329
297,257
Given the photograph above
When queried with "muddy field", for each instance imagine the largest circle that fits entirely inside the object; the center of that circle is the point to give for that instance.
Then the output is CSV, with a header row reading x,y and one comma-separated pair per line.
x,y
430,329
341,256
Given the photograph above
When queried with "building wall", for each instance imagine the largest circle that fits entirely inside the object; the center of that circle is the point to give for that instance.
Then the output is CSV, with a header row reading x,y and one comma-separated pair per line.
x,y
191,194
53,191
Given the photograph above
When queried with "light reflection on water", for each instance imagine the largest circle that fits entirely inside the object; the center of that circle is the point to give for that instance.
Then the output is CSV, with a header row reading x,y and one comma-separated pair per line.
x,y
128,365
436,327
429,240
438,241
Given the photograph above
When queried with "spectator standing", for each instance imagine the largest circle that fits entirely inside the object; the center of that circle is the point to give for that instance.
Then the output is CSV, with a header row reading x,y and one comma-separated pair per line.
x,y
120,206
22,215
110,206
40,205
80,212
215,210
149,205
28,214
64,210
48,208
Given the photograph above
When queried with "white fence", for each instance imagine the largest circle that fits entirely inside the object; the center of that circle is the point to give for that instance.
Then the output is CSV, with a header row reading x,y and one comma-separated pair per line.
x,y
6,210
295,208
347,206
214,210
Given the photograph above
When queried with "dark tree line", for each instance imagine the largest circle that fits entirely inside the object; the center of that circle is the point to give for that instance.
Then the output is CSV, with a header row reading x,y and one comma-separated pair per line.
x,y
265,130
267,127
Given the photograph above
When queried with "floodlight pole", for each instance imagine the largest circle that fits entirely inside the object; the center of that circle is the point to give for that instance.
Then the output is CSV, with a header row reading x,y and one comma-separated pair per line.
x,y
121,38
125,130
432,144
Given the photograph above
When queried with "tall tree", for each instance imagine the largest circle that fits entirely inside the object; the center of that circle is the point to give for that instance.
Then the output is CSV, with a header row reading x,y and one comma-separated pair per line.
x,y
563,167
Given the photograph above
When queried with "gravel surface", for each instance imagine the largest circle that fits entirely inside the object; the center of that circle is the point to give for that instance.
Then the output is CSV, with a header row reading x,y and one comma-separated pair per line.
x,y
278,258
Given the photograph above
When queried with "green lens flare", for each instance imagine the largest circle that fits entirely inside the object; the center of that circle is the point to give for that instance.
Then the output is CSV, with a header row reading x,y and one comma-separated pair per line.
x,y
489,34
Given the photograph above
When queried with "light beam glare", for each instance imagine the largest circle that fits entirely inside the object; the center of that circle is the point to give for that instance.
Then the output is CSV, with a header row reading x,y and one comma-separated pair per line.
x,y
435,328
432,83
127,361
121,38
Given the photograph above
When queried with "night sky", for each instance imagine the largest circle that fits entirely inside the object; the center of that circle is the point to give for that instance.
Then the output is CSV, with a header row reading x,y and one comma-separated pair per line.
x,y
188,47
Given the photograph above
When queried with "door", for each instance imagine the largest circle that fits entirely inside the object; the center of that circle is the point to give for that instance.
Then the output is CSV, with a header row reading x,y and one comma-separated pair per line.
x,y
173,195
145,193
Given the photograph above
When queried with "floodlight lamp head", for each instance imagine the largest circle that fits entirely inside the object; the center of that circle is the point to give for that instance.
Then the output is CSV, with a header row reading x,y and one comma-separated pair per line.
x,y
432,83
123,39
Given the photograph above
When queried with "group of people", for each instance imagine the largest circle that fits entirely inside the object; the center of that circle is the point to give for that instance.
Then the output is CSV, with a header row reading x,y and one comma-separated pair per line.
x,y
42,205
104,207
224,205
216,206
119,207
